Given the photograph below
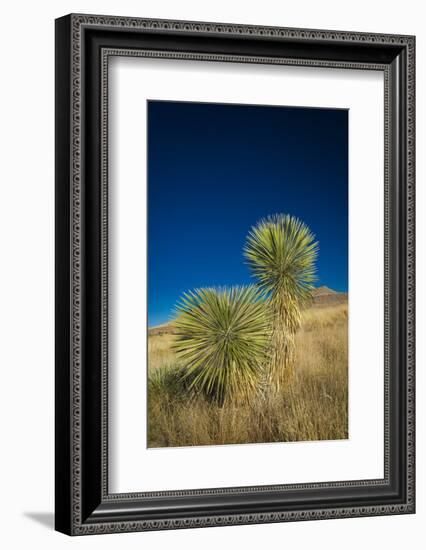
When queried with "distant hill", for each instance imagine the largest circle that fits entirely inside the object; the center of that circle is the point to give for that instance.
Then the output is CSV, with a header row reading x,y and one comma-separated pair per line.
x,y
165,328
321,297
324,296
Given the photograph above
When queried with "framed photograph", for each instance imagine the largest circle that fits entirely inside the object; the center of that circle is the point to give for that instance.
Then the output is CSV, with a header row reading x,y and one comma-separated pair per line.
x,y
234,274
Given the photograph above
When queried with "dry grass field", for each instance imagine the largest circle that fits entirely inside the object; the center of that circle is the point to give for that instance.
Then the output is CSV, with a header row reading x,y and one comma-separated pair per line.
x,y
313,406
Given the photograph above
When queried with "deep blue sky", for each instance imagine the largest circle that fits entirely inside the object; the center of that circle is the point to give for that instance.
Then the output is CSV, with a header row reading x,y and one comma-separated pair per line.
x,y
214,170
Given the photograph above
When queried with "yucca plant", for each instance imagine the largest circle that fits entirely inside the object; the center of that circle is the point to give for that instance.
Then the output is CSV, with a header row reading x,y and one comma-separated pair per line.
x,y
222,339
281,252
166,383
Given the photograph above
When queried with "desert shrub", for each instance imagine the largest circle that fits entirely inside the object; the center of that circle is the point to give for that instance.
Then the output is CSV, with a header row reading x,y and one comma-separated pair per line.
x,y
281,252
222,339
167,383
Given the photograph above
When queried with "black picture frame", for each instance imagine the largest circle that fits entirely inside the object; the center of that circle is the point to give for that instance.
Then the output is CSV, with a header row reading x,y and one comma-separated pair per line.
x,y
83,45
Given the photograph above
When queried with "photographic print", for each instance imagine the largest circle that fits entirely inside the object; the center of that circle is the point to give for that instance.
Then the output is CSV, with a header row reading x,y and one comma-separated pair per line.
x,y
203,299
247,274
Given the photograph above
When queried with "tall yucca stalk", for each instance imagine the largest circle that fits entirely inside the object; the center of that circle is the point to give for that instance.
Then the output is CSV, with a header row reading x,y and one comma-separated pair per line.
x,y
222,338
281,252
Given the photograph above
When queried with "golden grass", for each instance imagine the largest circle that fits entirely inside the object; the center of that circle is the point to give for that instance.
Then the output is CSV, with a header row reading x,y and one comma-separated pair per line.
x,y
160,353
314,405
320,317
